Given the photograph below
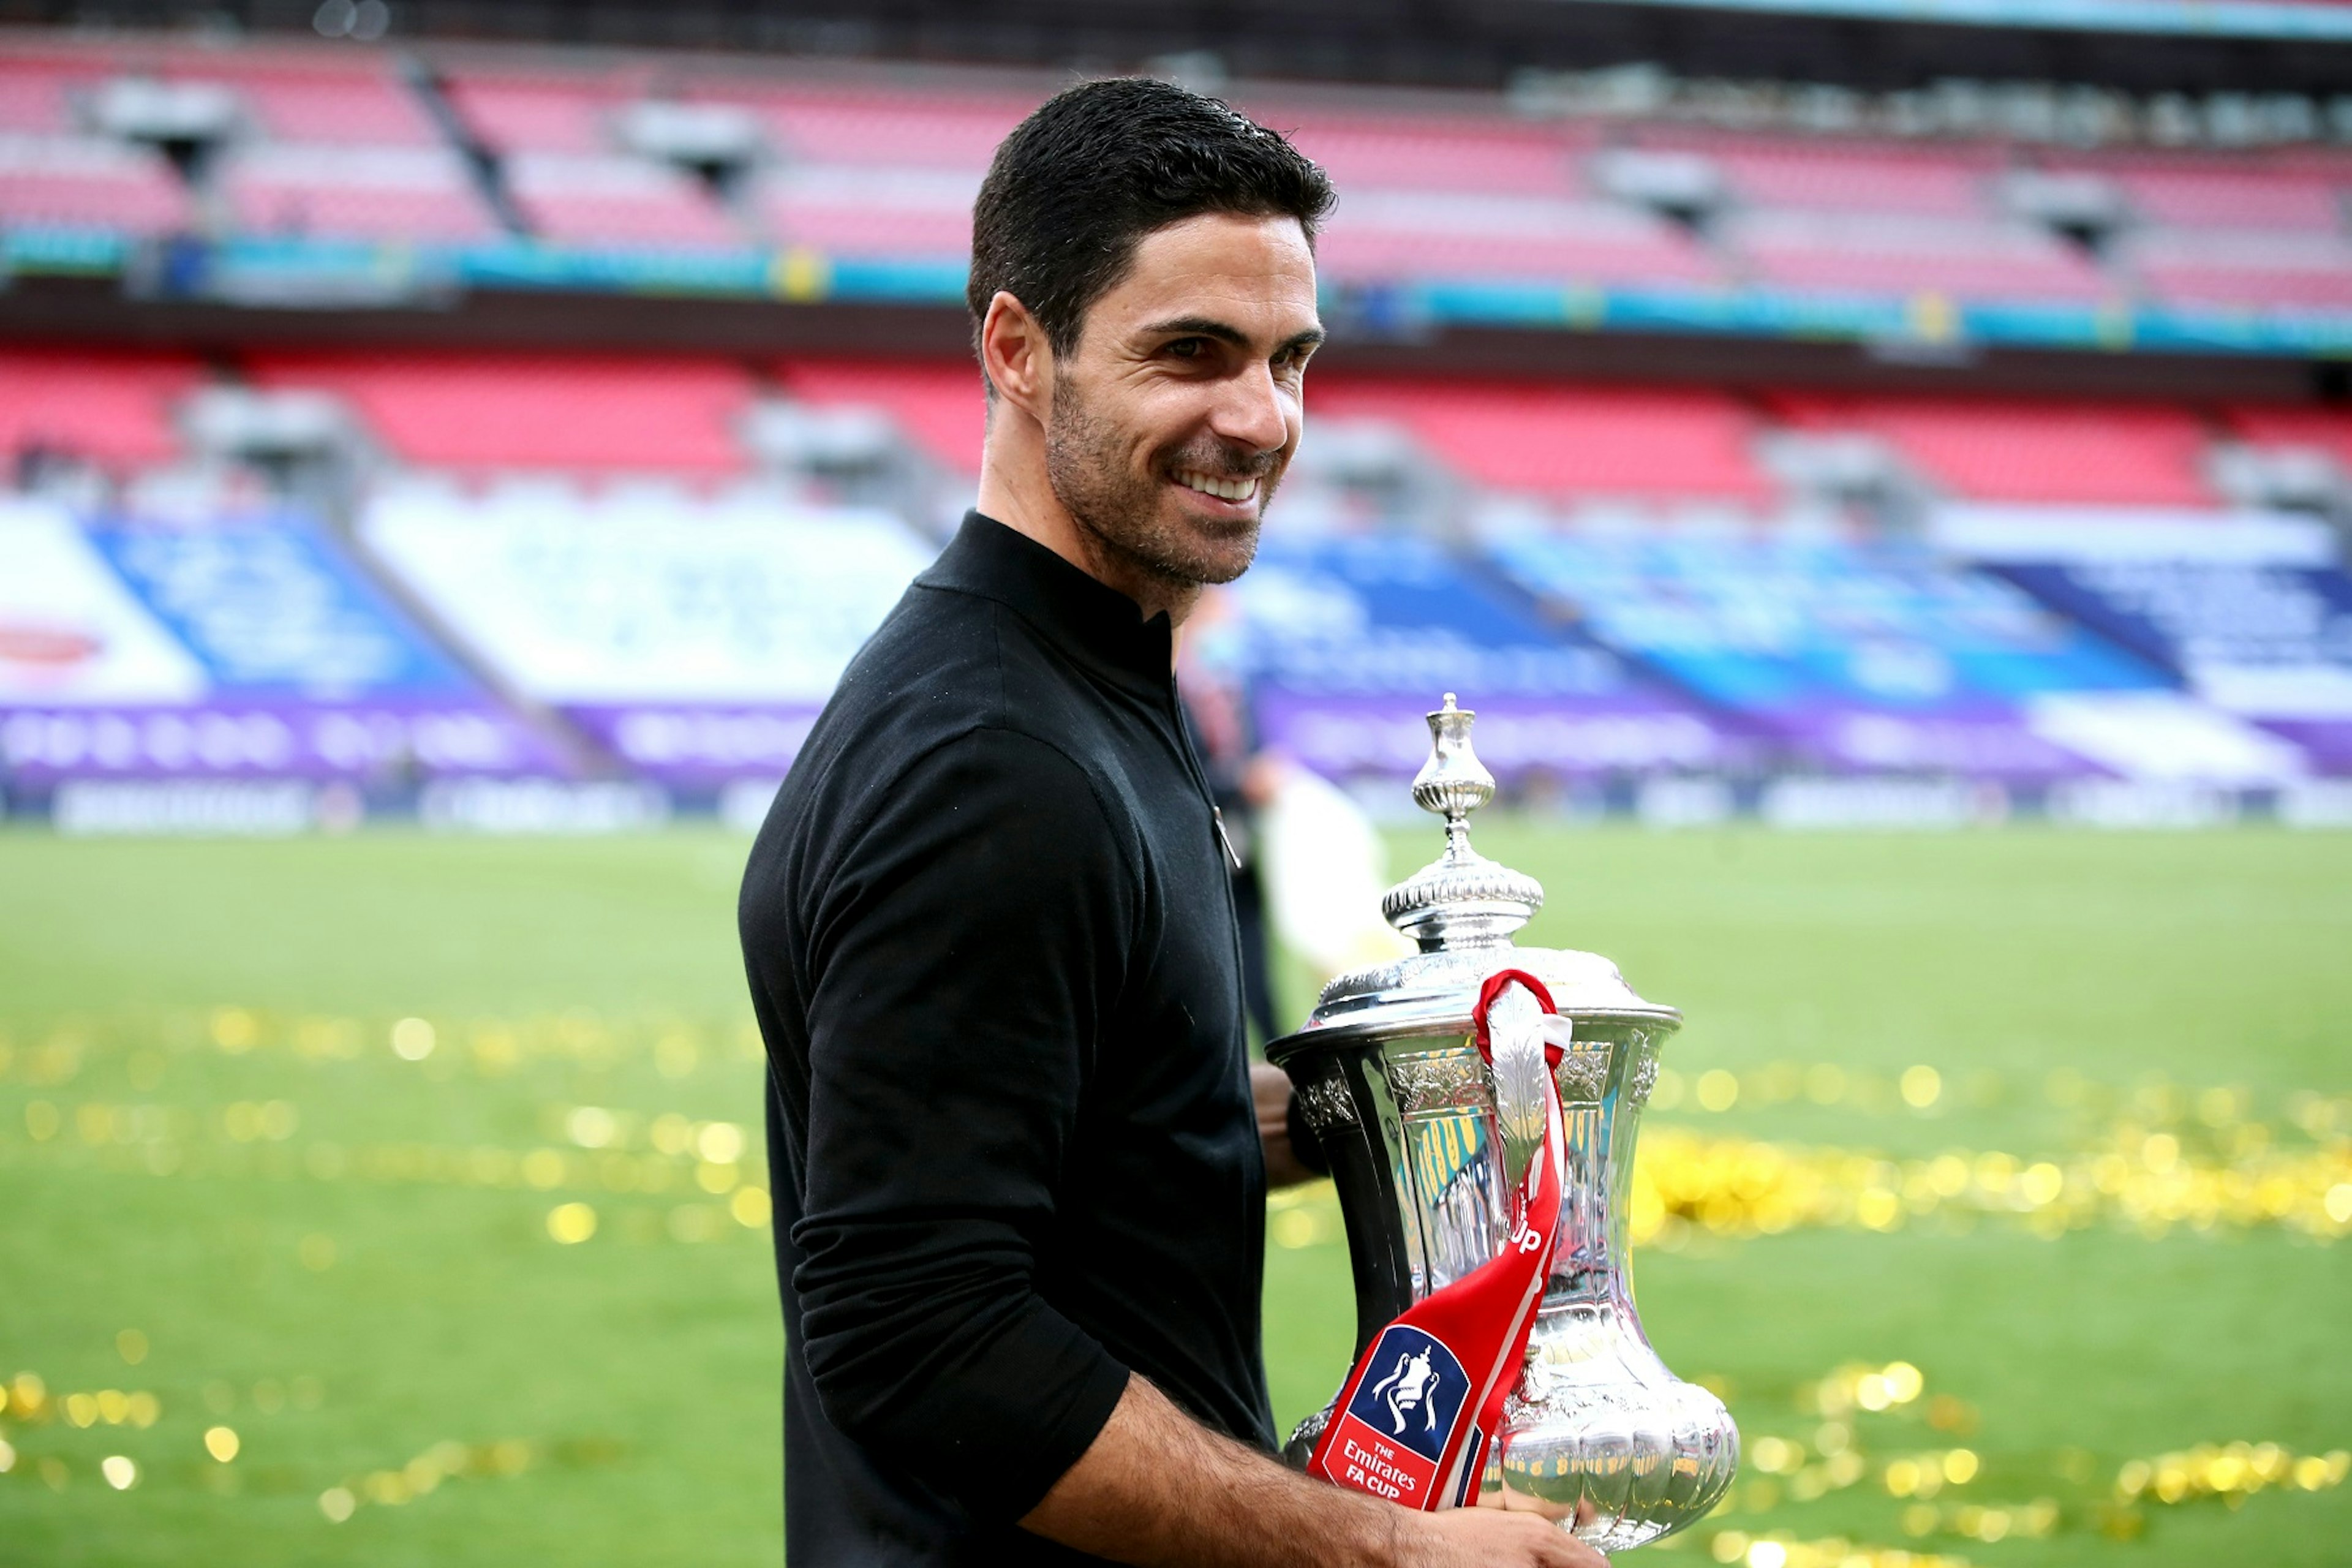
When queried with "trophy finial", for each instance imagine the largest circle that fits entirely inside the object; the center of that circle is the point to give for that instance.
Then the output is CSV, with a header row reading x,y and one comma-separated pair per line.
x,y
1461,899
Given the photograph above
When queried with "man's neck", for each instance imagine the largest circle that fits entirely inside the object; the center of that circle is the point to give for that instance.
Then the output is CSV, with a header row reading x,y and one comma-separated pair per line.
x,y
1027,505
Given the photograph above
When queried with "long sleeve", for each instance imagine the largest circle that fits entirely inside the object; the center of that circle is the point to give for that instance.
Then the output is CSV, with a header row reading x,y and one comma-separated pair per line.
x,y
969,947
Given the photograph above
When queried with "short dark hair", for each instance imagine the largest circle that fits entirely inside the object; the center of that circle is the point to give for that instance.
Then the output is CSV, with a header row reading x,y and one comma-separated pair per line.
x,y
1078,186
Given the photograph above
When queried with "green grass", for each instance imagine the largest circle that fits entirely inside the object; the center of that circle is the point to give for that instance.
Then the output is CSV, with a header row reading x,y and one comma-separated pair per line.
x,y
638,1372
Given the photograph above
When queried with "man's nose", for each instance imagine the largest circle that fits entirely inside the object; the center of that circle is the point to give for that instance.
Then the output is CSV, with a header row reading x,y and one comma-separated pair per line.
x,y
1253,412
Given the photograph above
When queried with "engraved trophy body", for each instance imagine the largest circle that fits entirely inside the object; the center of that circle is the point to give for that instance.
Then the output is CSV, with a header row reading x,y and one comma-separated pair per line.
x,y
1425,1142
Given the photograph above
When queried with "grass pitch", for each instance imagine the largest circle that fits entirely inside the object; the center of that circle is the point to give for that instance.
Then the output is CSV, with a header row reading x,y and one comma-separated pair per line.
x,y
234,1207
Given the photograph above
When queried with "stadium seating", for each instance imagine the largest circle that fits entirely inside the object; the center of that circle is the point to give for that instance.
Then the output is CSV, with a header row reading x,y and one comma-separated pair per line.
x,y
539,114
857,210
600,200
2200,194
36,90
252,649
938,403
907,129
1431,153
1397,234
109,408
309,102
2287,269
88,182
1855,656
1871,253
1564,441
418,194
2328,430
1990,450
1350,638
486,412
695,643
1776,173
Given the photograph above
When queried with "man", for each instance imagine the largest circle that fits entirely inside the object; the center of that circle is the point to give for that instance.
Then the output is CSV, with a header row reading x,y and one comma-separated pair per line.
x,y
1020,1188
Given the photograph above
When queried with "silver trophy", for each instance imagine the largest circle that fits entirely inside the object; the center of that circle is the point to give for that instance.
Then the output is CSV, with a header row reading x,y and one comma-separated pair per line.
x,y
1425,1142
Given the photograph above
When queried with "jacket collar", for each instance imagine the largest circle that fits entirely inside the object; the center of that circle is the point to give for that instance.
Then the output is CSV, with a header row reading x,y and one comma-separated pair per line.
x,y
1098,626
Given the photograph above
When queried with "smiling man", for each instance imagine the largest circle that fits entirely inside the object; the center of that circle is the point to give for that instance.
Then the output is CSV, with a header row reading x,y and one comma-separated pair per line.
x,y
1019,1182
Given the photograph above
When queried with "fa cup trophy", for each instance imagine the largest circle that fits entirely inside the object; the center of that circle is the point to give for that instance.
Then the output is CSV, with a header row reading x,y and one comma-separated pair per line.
x,y
1424,1080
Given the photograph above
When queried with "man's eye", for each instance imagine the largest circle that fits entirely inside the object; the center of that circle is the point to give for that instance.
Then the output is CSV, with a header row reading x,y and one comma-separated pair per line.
x,y
1187,348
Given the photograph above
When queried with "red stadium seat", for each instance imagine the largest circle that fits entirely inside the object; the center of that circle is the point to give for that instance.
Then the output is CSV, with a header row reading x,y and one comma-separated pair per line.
x,y
2122,454
1868,253
2243,197
110,408
307,101
36,90
851,210
1398,234
89,183
1564,440
2292,268
1455,154
539,113
590,414
368,193
596,200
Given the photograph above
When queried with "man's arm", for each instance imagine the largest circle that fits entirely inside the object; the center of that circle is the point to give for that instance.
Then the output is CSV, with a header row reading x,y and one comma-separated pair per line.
x,y
1156,1487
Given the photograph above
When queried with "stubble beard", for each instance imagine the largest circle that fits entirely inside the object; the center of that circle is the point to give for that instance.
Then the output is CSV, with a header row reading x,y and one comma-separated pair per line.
x,y
1120,509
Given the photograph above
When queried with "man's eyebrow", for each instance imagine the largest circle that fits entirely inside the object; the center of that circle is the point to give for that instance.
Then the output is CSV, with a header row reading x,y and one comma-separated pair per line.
x,y
1224,332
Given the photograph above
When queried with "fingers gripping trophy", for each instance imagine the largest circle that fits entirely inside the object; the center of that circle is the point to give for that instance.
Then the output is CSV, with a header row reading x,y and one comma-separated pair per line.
x,y
1478,1102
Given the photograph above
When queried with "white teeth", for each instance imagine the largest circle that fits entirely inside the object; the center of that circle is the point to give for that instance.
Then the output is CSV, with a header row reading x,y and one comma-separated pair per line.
x,y
1223,490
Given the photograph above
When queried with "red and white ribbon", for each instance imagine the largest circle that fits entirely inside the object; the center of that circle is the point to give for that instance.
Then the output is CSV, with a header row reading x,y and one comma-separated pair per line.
x,y
1415,1418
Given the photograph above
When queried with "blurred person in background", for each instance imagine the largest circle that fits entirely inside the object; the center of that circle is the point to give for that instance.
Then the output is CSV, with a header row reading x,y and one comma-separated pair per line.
x,y
1243,779
1020,1183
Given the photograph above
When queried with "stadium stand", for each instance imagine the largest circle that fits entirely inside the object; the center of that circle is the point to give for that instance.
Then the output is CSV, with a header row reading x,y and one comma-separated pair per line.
x,y
1877,658
2254,618
1937,182
88,182
485,414
2023,451
1900,254
695,641
1564,441
402,193
907,128
1390,236
1631,580
848,209
938,403
113,409
1450,154
572,113
1350,635
309,101
36,92
595,200
248,650
2324,430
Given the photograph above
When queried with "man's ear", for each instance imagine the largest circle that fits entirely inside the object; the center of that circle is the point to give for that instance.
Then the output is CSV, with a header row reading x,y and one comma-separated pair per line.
x,y
1018,358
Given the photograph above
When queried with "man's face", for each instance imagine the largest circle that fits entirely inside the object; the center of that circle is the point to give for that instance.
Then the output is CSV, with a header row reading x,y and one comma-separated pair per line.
x,y
1178,410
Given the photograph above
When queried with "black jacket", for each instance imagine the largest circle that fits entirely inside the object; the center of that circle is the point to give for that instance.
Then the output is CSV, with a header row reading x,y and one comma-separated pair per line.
x,y
992,948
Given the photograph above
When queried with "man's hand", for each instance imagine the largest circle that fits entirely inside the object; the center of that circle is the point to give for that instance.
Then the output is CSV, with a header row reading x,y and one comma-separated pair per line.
x,y
1157,1488
1270,1090
1474,1537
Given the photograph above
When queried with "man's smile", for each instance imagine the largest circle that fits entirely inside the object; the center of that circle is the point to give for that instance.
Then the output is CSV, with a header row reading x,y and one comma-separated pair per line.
x,y
1225,489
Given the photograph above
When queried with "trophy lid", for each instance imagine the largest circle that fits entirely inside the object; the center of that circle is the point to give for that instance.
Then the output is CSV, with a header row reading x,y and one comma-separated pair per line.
x,y
1461,911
